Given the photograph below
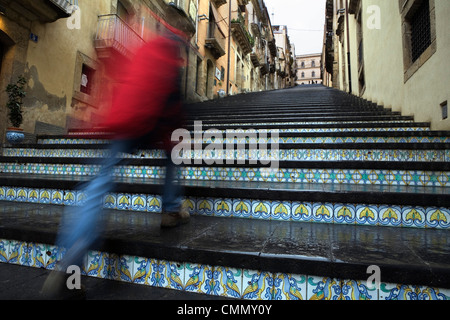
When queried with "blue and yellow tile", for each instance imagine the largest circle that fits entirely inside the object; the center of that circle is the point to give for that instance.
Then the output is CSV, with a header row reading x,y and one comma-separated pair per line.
x,y
154,203
390,216
230,280
260,209
281,210
223,207
344,213
413,217
301,211
257,285
323,288
366,214
198,278
288,286
438,218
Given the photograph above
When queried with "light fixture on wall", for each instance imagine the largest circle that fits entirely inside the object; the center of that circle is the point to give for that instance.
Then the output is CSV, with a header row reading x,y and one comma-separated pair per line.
x,y
2,10
203,17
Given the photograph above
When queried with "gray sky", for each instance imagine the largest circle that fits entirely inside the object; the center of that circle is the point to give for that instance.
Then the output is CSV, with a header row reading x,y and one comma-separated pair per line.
x,y
303,18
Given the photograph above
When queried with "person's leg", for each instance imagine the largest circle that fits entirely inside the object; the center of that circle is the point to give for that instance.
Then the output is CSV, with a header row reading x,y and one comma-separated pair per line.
x,y
172,211
80,224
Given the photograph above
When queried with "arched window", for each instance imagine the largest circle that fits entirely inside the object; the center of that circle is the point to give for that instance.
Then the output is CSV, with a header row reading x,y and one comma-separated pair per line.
x,y
313,74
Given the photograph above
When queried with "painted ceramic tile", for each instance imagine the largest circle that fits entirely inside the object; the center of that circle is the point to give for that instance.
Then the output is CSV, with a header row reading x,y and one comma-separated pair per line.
x,y
230,280
110,201
123,201
174,274
438,218
138,202
242,208
344,214
18,253
223,207
4,250
390,216
358,290
322,212
198,278
154,203
389,291
413,217
366,214
111,268
260,209
257,285
280,210
323,288
301,211
289,286
205,206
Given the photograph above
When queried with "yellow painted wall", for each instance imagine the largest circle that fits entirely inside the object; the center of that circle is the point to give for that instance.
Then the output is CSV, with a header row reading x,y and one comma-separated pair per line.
x,y
422,94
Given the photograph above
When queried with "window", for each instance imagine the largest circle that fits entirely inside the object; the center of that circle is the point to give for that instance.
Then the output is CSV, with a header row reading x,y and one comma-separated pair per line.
x,y
87,75
198,75
420,30
313,74
419,33
313,63
303,74
444,109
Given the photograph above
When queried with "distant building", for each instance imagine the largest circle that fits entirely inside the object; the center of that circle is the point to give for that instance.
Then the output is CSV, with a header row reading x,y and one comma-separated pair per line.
x,y
308,68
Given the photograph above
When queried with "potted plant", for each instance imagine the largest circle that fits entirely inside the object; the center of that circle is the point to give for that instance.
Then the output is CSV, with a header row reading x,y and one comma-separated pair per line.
x,y
16,93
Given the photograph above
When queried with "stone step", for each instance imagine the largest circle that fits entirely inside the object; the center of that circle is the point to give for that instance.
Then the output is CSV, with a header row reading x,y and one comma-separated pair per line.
x,y
385,205
321,126
242,258
329,172
284,137
218,151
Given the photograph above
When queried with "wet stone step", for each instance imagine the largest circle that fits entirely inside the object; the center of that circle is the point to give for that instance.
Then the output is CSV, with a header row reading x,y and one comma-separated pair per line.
x,y
390,205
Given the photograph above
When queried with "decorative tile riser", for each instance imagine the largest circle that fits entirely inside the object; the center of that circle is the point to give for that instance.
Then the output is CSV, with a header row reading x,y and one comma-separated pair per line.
x,y
258,153
339,213
283,175
215,280
262,130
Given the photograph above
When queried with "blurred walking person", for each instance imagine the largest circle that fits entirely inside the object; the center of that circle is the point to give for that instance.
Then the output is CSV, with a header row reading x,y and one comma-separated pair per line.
x,y
146,108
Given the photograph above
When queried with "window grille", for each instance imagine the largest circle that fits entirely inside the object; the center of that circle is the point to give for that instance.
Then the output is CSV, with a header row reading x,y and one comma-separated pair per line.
x,y
420,30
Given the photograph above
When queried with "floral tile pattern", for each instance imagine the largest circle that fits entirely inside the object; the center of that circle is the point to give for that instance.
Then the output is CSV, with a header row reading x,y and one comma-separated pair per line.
x,y
215,280
340,213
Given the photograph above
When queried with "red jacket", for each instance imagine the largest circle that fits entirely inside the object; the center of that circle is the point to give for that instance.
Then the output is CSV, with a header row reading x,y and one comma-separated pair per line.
x,y
147,97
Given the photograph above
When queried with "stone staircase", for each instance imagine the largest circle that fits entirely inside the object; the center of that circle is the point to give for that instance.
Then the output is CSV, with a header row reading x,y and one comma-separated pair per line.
x,y
321,186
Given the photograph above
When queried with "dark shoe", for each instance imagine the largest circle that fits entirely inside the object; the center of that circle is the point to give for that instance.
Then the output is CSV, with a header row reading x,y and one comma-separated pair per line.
x,y
174,219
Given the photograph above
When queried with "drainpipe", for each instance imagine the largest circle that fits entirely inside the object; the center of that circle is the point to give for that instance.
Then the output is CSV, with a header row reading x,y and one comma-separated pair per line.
x,y
348,49
229,47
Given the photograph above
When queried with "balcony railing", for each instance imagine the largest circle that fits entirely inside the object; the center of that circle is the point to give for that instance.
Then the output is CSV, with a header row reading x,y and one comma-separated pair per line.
x,y
243,37
215,41
219,2
42,10
257,57
187,12
65,5
114,34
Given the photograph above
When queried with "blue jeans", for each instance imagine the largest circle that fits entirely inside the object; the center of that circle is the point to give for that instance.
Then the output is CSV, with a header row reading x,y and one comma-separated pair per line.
x,y
80,226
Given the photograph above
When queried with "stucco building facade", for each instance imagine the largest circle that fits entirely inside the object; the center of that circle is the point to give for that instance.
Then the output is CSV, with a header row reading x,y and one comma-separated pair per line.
x,y
394,53
309,69
64,48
